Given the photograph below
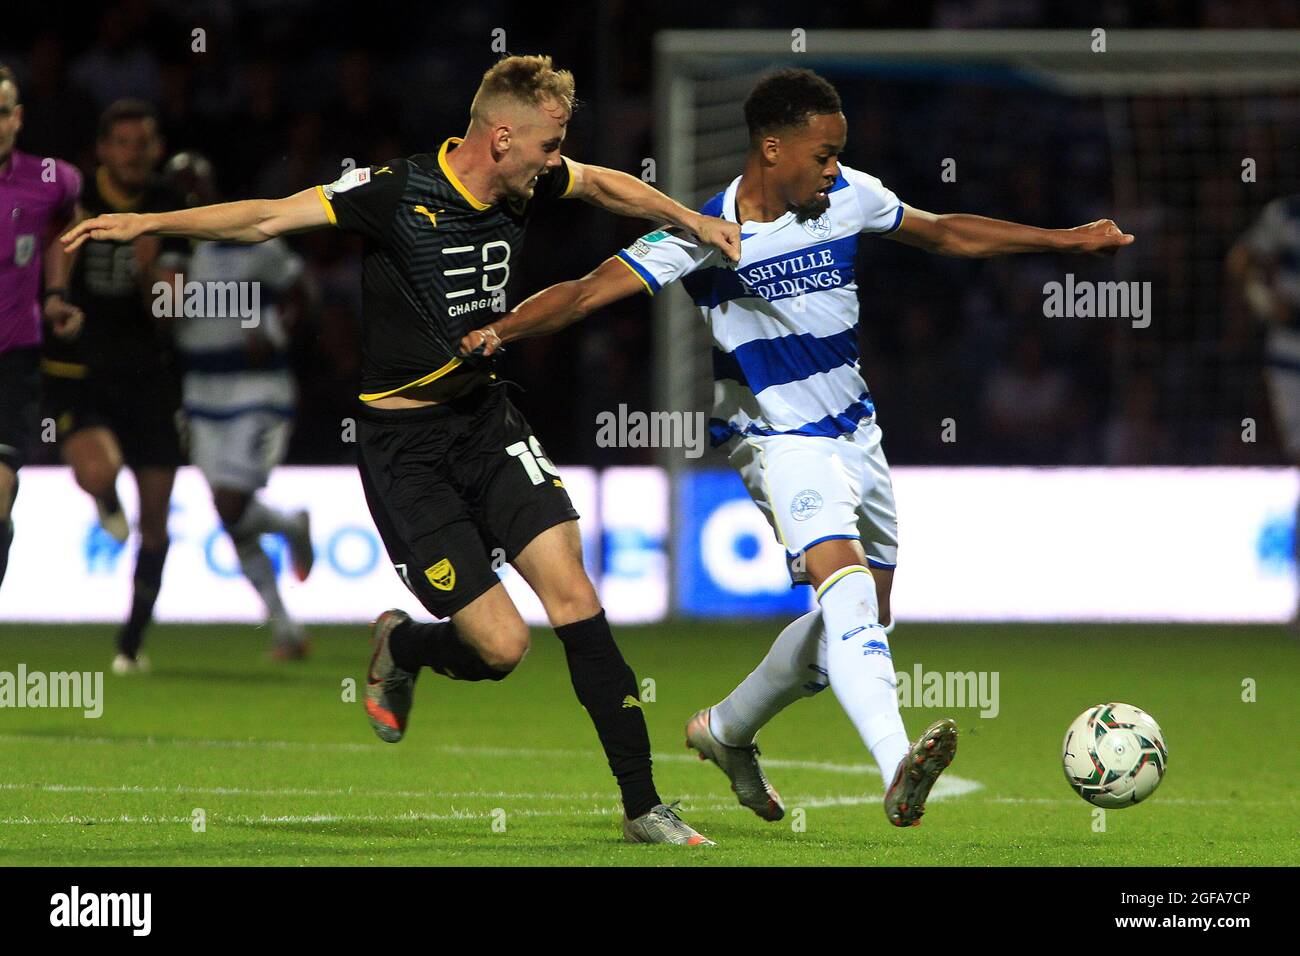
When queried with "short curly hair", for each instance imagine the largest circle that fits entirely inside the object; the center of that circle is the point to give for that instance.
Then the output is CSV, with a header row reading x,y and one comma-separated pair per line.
x,y
788,99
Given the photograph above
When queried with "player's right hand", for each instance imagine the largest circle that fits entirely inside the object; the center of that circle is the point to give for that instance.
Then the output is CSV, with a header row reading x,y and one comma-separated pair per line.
x,y
481,342
1100,238
720,234
112,227
64,318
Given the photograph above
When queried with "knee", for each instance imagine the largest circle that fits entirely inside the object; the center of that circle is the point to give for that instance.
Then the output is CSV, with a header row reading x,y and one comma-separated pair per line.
x,y
8,490
505,650
96,478
574,599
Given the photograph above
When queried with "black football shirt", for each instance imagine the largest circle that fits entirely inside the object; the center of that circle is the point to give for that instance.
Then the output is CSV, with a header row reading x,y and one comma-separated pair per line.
x,y
120,336
435,266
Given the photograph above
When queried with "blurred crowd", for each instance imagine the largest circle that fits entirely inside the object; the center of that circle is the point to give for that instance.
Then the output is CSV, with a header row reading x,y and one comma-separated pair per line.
x,y
284,94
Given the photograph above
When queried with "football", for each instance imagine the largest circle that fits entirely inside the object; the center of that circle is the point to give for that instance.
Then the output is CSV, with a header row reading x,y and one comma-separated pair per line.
x,y
1114,755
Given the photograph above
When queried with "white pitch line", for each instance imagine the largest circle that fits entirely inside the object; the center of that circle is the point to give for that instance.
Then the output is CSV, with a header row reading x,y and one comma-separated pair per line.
x,y
778,763
302,792
1188,801
948,786
193,742
409,817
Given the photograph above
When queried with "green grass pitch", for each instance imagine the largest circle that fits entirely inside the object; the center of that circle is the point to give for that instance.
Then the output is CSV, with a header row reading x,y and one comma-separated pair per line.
x,y
287,772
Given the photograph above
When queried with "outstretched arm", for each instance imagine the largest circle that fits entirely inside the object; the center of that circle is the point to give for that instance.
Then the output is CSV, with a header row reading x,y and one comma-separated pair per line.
x,y
557,306
251,220
959,234
626,195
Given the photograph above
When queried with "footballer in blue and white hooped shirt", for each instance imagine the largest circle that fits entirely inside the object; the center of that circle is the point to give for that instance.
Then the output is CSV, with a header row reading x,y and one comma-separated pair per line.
x,y
784,323
795,415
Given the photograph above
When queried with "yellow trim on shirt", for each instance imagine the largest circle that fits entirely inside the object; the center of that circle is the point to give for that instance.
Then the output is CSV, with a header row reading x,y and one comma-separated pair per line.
x,y
452,178
640,277
329,208
62,369
372,396
569,169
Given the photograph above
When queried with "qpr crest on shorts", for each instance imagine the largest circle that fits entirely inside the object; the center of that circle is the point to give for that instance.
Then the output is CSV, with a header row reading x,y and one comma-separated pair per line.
x,y
805,504
819,228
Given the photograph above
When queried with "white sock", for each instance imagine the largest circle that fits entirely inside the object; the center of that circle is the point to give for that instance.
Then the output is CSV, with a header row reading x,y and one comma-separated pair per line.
x,y
861,667
795,667
261,519
260,573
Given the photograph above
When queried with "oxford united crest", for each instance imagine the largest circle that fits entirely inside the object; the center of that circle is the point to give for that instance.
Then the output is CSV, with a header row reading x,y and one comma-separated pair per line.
x,y
442,575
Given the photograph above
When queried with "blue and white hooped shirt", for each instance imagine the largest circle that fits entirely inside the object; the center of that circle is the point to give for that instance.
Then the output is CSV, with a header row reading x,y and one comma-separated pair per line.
x,y
784,319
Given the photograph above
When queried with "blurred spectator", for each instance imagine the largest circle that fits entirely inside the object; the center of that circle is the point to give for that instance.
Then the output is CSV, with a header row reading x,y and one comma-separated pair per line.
x,y
119,64
1028,405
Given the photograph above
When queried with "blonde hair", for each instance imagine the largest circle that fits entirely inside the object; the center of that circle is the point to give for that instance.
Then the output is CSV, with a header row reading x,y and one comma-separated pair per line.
x,y
530,80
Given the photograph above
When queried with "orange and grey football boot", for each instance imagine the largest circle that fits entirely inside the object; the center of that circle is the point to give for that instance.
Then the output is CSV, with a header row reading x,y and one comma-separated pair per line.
x,y
740,764
917,772
389,689
661,824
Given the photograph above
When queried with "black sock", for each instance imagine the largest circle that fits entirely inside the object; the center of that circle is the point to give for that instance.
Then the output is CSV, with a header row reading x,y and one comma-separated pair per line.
x,y
148,580
414,645
6,539
604,683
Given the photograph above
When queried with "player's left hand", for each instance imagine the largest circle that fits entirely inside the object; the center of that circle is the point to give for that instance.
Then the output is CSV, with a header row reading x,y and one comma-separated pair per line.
x,y
720,234
110,227
64,318
1100,238
481,342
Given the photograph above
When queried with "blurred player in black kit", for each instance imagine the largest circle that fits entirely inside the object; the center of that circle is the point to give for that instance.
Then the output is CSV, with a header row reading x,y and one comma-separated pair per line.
x,y
113,391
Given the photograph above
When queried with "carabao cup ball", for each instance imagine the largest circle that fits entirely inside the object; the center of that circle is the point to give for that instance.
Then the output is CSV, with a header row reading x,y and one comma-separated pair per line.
x,y
1114,755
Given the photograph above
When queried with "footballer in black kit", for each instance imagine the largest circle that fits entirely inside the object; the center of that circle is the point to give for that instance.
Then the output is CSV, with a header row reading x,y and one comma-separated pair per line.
x,y
454,477
454,484
113,391
119,373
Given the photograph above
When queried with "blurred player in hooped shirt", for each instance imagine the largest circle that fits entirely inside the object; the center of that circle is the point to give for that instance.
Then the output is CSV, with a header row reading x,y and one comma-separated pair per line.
x,y
38,200
238,395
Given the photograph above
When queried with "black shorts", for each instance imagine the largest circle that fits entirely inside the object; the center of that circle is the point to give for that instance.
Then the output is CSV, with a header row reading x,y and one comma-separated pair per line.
x,y
141,410
65,398
456,491
20,403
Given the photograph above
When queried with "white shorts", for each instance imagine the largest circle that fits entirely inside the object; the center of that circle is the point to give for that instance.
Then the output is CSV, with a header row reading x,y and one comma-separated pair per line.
x,y
819,489
238,453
